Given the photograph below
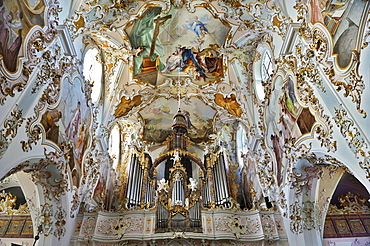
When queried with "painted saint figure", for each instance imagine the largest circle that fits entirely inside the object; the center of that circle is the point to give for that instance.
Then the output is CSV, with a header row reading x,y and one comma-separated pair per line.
x,y
72,128
49,122
10,38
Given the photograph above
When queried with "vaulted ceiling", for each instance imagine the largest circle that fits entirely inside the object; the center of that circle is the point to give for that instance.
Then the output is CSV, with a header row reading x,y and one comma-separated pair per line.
x,y
202,58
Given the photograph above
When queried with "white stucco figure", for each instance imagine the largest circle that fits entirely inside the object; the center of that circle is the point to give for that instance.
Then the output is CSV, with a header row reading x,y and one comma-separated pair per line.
x,y
176,156
162,185
193,184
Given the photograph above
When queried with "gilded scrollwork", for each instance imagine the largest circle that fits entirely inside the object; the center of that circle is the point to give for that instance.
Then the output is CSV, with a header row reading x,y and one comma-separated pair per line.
x,y
323,132
99,17
295,215
302,10
350,204
354,138
50,173
46,218
260,15
75,202
127,224
10,130
8,205
366,36
237,225
106,227
52,67
354,86
319,43
60,222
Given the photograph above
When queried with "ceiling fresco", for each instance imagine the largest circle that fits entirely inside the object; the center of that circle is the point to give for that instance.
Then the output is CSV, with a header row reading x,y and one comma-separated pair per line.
x,y
177,43
343,20
158,118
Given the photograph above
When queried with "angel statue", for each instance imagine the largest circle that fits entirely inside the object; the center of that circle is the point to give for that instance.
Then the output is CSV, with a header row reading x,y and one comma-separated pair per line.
x,y
162,185
176,157
193,184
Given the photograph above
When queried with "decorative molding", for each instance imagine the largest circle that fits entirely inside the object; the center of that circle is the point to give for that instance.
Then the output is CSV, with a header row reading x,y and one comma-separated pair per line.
x,y
323,131
295,215
354,138
127,224
53,68
366,36
75,202
320,42
7,203
350,204
50,173
60,222
11,125
95,16
46,219
354,87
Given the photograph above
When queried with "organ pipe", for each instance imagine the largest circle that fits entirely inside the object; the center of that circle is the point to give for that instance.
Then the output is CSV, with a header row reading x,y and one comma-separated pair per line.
x,y
224,178
130,177
220,187
138,184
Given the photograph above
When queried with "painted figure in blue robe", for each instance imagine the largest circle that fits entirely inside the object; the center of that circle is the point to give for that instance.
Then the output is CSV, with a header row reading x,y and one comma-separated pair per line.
x,y
198,25
190,60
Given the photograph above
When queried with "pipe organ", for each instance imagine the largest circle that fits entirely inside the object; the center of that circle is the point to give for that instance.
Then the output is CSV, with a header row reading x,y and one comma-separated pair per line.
x,y
139,185
216,167
180,191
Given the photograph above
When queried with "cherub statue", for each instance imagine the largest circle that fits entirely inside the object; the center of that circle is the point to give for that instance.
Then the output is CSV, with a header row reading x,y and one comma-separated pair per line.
x,y
176,156
193,184
162,185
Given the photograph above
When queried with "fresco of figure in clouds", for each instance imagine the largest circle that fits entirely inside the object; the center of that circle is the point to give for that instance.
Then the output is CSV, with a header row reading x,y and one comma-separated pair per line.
x,y
174,61
10,38
49,121
198,26
279,154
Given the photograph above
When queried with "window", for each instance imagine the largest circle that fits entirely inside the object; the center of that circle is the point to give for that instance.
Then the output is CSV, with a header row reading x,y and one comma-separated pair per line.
x,y
241,143
114,145
263,69
92,70
267,66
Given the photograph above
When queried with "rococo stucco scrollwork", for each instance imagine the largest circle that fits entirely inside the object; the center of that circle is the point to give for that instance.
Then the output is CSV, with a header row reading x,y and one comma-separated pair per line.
x,y
183,122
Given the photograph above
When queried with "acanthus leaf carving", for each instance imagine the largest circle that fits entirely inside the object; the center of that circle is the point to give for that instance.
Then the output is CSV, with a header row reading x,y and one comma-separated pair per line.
x,y
352,83
11,125
354,138
324,132
60,222
50,172
99,16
